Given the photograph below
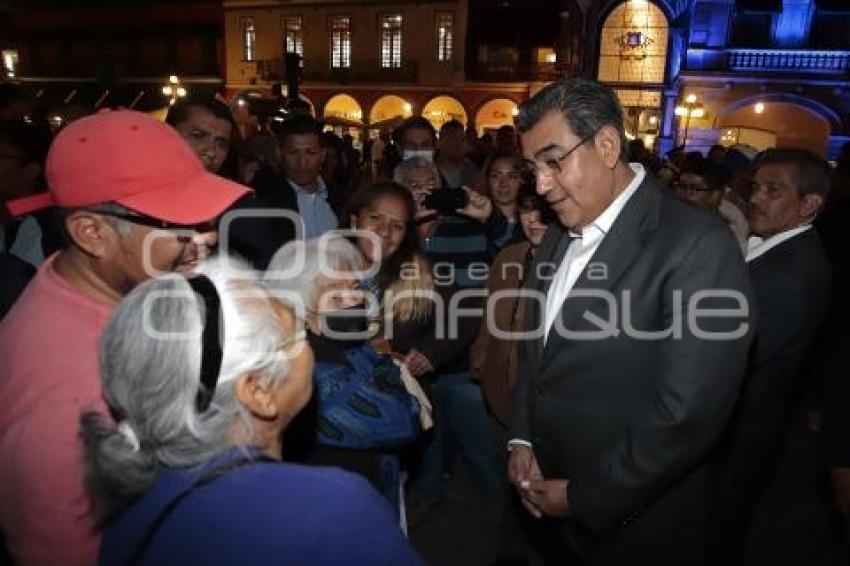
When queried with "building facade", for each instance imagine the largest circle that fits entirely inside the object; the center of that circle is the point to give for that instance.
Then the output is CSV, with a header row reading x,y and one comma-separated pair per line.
x,y
367,64
763,72
695,72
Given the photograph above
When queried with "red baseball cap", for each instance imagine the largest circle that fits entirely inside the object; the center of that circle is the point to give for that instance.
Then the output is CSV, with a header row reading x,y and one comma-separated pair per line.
x,y
131,159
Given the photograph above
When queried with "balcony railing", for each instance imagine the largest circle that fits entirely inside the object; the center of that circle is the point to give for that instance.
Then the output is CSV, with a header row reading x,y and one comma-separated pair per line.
x,y
787,60
769,60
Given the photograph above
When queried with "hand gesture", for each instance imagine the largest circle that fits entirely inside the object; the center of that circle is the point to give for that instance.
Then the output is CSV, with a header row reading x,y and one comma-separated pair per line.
x,y
417,363
479,207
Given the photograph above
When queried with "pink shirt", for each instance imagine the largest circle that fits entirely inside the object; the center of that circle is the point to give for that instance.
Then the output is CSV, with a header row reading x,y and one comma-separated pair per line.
x,y
49,375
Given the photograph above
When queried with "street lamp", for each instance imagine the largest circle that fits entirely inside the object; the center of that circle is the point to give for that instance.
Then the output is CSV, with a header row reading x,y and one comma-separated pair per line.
x,y
173,89
690,108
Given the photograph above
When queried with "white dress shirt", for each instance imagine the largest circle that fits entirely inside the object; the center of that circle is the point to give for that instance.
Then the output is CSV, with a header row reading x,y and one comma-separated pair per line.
x,y
758,246
578,255
581,250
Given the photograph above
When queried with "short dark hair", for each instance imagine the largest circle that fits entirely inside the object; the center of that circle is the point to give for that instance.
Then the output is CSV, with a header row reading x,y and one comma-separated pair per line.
x,y
452,125
413,123
299,123
179,113
811,172
586,106
528,199
714,175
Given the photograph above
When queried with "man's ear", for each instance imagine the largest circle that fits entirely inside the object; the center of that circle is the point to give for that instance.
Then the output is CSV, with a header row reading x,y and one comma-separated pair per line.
x,y
257,396
91,233
810,205
608,143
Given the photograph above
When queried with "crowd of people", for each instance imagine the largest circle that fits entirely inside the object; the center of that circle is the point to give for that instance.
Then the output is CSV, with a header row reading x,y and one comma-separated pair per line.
x,y
275,349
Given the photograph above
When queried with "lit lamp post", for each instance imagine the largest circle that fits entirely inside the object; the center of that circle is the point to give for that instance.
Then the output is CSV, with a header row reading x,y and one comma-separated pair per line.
x,y
690,108
173,89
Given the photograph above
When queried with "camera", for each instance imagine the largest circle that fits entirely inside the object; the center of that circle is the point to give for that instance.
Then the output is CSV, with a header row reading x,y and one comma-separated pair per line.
x,y
446,201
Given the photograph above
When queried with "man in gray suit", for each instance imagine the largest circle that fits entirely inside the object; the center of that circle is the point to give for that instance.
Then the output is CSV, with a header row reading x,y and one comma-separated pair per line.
x,y
642,321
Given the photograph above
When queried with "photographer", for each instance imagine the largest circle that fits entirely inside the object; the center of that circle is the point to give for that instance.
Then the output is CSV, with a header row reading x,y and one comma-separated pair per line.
x,y
460,228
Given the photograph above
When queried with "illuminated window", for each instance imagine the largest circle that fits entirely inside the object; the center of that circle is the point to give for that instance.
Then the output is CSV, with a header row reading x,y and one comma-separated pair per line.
x,y
10,62
341,42
249,39
391,41
445,35
293,32
633,46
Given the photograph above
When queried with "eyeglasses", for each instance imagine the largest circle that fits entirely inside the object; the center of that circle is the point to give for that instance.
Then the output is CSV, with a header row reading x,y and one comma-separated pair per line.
x,y
145,220
552,166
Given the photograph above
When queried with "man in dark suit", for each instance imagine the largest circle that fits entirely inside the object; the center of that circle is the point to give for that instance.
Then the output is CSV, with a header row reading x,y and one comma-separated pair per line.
x,y
622,399
791,278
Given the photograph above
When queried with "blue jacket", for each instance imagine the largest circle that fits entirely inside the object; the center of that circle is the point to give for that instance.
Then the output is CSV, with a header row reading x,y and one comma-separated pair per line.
x,y
261,513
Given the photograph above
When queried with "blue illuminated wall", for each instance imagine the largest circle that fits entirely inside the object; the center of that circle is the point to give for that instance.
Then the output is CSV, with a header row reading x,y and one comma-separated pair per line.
x,y
791,26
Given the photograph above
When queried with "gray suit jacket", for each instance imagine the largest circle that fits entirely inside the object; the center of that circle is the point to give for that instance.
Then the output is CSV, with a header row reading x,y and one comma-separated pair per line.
x,y
632,420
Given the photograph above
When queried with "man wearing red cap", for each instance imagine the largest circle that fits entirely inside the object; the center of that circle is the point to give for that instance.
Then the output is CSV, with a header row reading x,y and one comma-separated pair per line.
x,y
137,201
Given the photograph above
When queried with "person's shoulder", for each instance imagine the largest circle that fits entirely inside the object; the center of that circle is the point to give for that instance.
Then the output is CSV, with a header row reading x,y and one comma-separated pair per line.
x,y
685,223
342,493
512,252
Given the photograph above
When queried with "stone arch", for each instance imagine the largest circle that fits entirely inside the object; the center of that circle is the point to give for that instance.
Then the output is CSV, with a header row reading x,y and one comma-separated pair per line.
x,y
787,120
441,108
494,112
343,106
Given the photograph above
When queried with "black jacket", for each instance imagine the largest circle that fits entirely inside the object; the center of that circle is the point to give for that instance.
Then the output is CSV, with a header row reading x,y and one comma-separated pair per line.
x,y
258,238
631,421
793,291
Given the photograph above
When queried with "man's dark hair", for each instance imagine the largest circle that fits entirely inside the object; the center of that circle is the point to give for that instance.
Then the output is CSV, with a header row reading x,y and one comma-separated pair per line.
x,y
586,106
811,172
298,124
714,175
179,113
451,125
413,123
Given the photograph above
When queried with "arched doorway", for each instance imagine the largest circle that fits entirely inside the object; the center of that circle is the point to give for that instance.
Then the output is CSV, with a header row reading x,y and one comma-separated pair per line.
x,y
442,109
633,49
343,115
495,114
766,123
343,107
388,111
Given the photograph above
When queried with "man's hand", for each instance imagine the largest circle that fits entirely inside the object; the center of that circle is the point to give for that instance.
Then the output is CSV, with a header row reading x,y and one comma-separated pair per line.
x,y
479,208
522,468
549,497
417,363
840,480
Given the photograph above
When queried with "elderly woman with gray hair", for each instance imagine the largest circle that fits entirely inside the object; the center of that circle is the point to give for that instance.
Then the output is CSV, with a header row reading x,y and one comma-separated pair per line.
x,y
362,412
204,374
